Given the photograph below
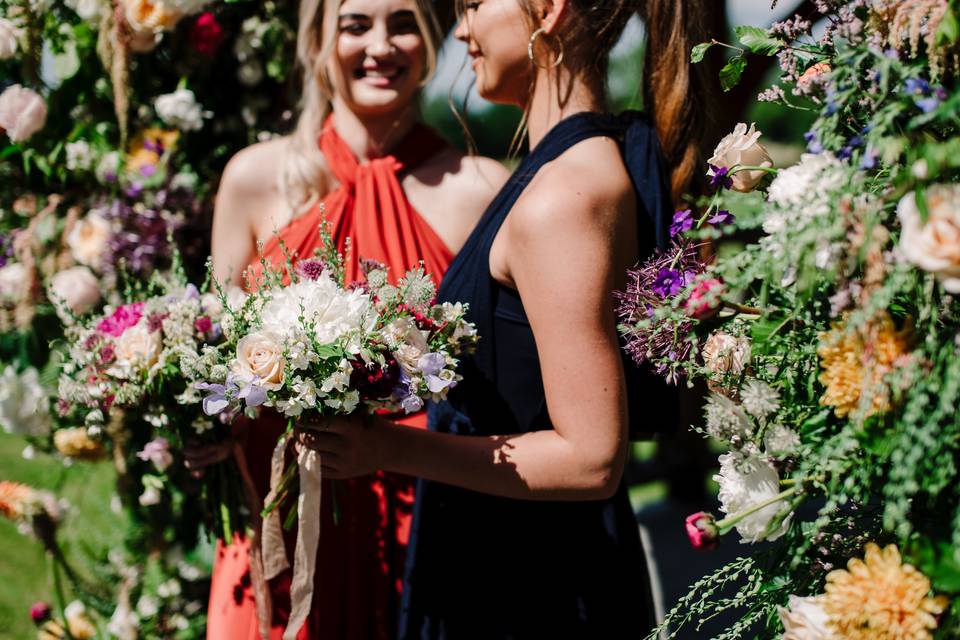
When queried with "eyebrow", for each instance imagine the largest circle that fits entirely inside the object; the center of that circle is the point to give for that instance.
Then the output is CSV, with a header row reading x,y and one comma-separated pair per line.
x,y
404,13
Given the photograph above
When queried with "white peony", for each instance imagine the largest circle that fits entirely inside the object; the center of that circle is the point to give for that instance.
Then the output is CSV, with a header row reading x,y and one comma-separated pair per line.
x,y
328,311
136,351
77,287
9,39
180,109
22,112
80,156
745,482
742,148
805,619
934,245
13,281
89,240
24,405
812,178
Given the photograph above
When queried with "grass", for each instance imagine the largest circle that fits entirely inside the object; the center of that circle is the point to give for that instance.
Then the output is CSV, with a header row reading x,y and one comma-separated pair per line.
x,y
90,529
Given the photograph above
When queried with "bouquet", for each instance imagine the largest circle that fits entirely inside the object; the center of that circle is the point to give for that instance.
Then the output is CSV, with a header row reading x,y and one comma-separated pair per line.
x,y
123,381
305,342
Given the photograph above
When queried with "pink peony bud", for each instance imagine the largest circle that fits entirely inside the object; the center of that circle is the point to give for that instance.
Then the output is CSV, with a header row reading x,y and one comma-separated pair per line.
x,y
206,35
40,612
702,531
705,299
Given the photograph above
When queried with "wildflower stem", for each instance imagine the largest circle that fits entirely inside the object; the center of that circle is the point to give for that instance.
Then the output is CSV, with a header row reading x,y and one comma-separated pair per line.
x,y
741,308
731,521
737,168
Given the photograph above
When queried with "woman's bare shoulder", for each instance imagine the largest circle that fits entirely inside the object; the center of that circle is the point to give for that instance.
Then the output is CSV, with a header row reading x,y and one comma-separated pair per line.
x,y
255,170
455,177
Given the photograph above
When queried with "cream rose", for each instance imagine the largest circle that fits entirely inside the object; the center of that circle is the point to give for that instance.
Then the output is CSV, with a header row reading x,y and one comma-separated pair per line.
x,y
408,343
9,39
89,240
13,283
136,351
150,16
741,148
933,245
805,619
723,353
260,355
22,112
77,287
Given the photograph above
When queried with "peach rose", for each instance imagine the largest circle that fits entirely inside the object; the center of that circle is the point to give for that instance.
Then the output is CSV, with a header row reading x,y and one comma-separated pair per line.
x,y
260,356
741,148
933,245
89,240
724,353
23,112
77,287
136,351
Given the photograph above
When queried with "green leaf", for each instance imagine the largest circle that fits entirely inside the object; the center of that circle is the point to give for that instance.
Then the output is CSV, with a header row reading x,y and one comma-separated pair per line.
x,y
949,29
731,72
757,40
696,55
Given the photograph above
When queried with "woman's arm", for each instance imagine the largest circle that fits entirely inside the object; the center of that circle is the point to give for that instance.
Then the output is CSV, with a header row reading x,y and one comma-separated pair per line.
x,y
567,242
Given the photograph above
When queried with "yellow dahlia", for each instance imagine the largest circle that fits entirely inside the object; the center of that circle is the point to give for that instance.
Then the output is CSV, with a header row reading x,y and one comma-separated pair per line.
x,y
855,362
76,443
880,598
15,499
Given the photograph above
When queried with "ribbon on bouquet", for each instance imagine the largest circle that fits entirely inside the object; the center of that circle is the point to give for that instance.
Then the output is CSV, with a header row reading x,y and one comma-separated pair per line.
x,y
308,533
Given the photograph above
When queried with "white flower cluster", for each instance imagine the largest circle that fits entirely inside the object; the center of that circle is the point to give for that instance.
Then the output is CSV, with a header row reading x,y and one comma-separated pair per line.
x,y
24,403
180,109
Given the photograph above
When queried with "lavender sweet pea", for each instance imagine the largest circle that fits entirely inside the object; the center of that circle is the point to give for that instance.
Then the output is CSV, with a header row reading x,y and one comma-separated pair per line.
x,y
431,365
682,222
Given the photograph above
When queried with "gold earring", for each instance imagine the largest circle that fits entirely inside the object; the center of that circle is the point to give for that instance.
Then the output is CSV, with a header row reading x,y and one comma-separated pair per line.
x,y
533,39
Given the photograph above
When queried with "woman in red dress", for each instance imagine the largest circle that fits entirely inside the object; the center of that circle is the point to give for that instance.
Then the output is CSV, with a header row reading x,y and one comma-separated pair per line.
x,y
359,161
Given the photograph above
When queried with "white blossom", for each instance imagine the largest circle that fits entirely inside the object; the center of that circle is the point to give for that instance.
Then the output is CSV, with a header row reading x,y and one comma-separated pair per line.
x,y
726,420
759,399
779,439
80,155
180,109
745,482
24,404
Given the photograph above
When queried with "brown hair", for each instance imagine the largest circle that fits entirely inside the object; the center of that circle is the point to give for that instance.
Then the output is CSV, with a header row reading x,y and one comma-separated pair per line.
x,y
673,88
303,171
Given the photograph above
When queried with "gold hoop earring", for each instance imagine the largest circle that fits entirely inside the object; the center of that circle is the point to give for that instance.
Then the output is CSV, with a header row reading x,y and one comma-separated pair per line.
x,y
533,39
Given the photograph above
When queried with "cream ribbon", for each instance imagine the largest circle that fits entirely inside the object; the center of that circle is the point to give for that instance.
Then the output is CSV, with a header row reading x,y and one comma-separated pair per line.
x,y
308,534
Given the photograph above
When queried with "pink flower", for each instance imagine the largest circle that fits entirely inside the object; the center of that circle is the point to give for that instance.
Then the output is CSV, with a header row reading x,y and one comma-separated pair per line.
x,y
702,531
23,112
206,35
157,451
203,324
40,612
123,317
704,301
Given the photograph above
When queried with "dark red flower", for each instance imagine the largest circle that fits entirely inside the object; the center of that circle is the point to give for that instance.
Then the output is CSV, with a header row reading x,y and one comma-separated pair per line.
x,y
206,36
203,325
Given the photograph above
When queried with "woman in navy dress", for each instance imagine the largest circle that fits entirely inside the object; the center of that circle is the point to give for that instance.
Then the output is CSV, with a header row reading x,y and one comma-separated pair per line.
x,y
522,526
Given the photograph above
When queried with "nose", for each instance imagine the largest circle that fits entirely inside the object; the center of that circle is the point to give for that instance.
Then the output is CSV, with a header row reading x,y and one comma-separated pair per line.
x,y
379,44
462,32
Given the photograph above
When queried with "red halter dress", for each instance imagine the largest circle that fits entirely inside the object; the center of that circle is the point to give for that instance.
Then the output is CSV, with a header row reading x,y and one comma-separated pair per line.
x,y
361,558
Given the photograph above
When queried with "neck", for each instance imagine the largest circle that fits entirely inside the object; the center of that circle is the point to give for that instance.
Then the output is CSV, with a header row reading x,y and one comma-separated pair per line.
x,y
558,95
372,136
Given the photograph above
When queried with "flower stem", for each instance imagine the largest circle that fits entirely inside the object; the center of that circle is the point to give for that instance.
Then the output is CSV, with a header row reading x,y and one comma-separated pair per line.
x,y
740,308
737,168
731,521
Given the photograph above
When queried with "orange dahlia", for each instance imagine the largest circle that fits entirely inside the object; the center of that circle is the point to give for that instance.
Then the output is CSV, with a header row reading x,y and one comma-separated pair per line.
x,y
855,361
880,598
15,499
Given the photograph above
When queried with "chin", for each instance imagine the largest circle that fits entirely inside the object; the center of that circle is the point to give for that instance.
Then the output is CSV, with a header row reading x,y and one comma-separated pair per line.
x,y
378,103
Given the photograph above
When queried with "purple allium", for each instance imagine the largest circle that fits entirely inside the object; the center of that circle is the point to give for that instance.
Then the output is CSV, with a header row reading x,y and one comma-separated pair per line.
x,y
682,222
721,217
719,178
311,269
645,337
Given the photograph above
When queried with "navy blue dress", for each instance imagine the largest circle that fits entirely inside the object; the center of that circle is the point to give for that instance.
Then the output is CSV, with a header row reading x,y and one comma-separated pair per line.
x,y
481,566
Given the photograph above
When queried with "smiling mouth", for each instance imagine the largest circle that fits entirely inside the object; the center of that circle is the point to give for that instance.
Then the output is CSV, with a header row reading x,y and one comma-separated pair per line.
x,y
380,77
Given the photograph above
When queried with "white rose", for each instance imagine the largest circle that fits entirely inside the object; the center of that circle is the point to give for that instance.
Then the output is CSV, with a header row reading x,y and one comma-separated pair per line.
x,y
87,9
24,405
22,112
260,355
77,287
745,482
136,351
180,109
723,353
741,148
934,245
89,240
805,619
13,278
9,39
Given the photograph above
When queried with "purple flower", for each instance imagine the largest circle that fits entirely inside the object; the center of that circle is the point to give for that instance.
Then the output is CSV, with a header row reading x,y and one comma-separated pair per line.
x,y
411,403
148,170
311,269
929,104
721,217
813,142
252,394
845,153
869,159
719,178
216,401
668,283
157,451
431,364
682,222
916,86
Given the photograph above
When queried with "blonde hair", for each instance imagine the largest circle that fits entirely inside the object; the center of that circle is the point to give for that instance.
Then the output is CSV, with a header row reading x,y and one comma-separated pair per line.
x,y
302,178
